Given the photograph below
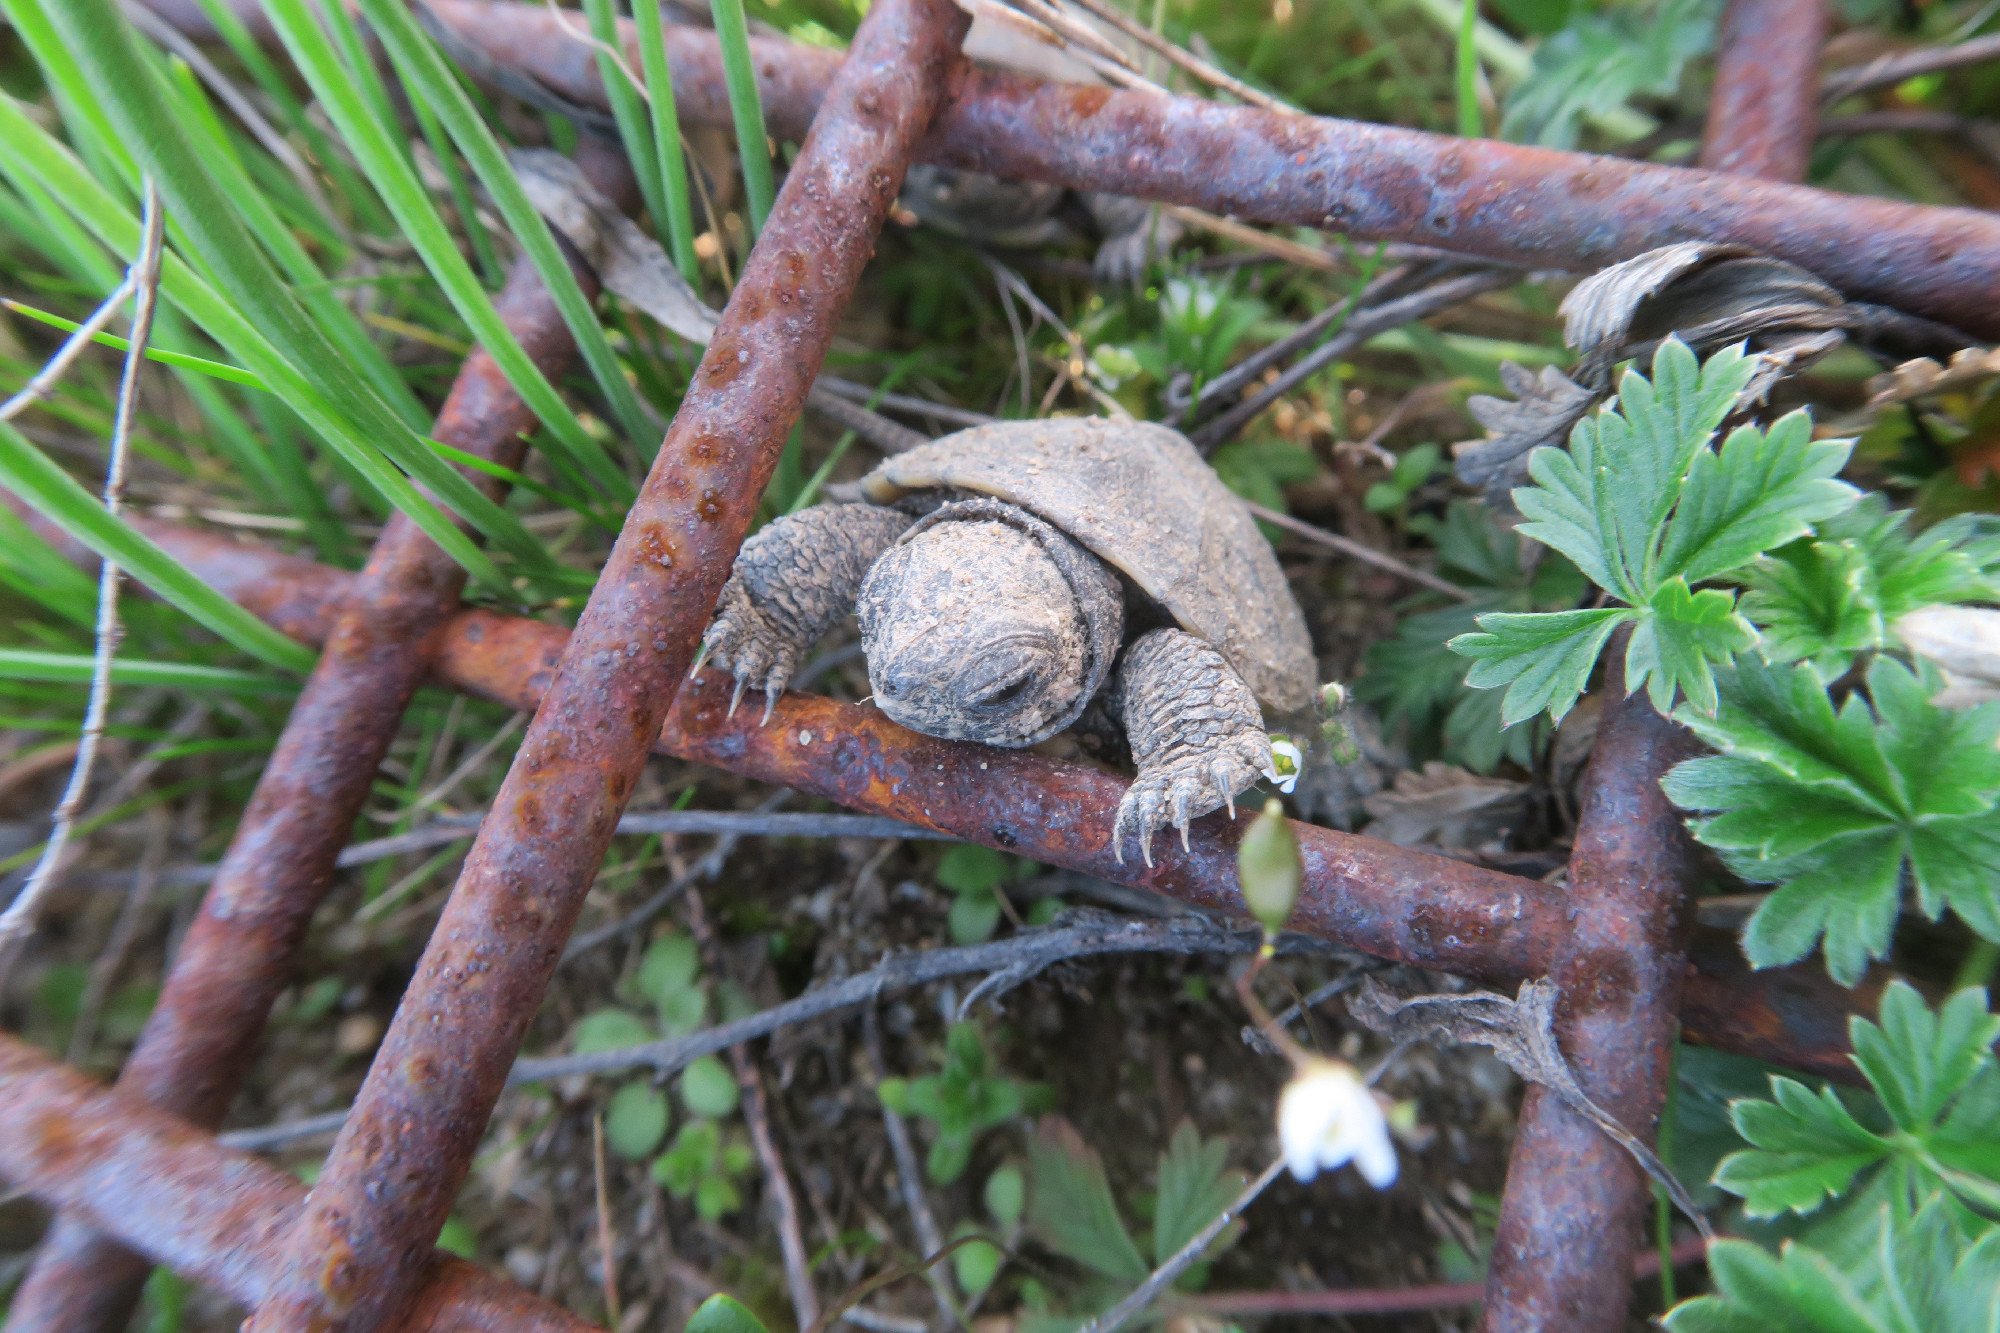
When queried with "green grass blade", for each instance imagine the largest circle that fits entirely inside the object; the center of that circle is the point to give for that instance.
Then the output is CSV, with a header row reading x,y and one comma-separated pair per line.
x,y
28,473
334,318
627,107
679,217
74,668
348,184
426,74
746,109
306,373
522,482
376,146
461,192
214,369
1470,123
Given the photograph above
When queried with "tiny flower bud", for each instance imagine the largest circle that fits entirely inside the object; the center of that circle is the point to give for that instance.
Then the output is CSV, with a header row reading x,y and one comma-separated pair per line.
x,y
1328,1117
1341,746
1332,698
1286,761
1268,869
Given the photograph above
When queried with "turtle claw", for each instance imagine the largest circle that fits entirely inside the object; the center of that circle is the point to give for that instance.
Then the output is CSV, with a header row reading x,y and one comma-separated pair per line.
x,y
700,657
1182,786
742,684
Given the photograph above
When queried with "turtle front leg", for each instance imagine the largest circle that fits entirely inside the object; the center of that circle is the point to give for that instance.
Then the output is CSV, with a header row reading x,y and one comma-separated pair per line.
x,y
792,581
1196,732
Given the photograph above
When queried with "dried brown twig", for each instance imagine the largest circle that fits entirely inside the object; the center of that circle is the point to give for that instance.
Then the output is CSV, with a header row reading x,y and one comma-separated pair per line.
x,y
143,283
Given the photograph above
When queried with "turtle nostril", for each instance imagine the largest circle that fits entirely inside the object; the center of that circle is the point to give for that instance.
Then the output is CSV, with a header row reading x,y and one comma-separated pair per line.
x,y
1010,694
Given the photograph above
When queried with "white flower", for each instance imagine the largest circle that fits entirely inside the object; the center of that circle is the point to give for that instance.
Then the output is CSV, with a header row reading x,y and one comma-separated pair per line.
x,y
1286,761
1327,1117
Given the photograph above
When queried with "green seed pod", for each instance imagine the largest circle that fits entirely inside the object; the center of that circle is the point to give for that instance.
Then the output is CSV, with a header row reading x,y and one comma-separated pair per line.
x,y
1267,866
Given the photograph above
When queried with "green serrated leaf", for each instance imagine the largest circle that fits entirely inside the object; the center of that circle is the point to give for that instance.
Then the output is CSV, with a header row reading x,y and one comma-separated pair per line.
x,y
1195,1187
1836,806
1676,648
1070,1207
1762,490
1543,659
1806,1148
1835,595
1598,62
1925,1271
1934,1076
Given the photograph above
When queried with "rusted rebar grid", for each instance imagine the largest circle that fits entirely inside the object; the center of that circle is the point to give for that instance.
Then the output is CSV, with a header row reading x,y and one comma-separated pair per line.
x,y
1399,903
352,1259
1765,107
1569,1213
237,955
1534,206
172,1193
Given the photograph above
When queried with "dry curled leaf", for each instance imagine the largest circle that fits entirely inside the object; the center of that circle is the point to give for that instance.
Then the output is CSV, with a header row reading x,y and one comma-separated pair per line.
x,y
1710,296
1446,806
1542,411
629,263
1521,1032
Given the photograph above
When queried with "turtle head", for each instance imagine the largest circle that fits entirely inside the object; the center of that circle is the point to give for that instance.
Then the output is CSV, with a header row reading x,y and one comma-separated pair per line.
x,y
983,623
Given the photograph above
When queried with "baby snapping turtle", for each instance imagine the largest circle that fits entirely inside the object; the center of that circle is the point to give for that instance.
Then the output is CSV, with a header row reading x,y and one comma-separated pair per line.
x,y
994,576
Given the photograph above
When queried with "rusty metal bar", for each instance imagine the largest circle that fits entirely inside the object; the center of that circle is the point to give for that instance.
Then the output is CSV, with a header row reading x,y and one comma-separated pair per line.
x,y
354,1255
1567,1218
237,955
1411,905
1765,107
1533,206
172,1193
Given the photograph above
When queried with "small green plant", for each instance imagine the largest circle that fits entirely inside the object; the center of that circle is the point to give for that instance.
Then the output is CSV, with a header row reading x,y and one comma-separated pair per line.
x,y
1072,1211
1596,62
722,1313
1420,687
705,1163
977,1262
1392,494
963,1100
1838,593
1911,1246
1671,514
1923,1275
1259,469
1839,806
1201,322
1931,1129
975,874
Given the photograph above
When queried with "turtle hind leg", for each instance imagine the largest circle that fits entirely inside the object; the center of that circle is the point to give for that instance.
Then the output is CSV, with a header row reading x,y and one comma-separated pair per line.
x,y
1196,731
792,580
